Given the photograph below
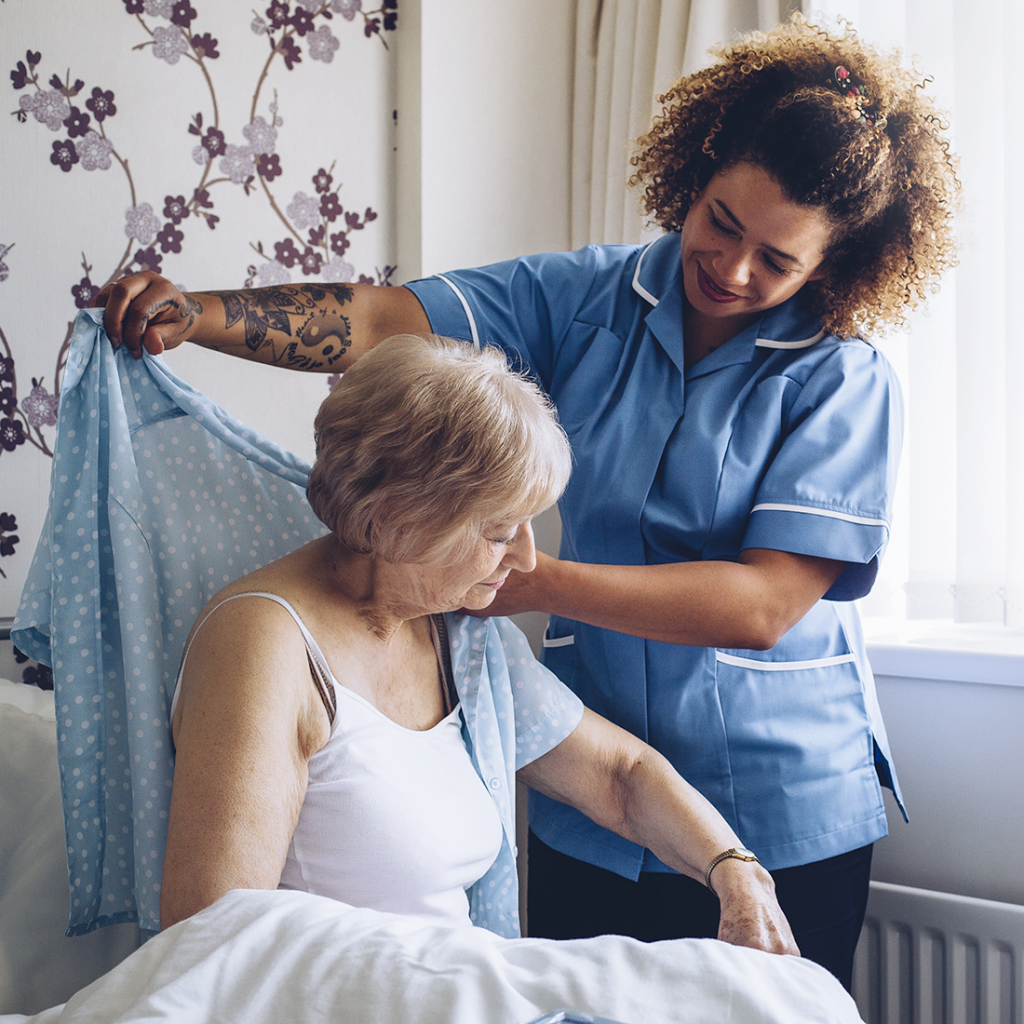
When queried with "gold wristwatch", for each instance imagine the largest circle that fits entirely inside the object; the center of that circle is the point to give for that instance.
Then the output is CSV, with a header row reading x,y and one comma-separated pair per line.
x,y
735,852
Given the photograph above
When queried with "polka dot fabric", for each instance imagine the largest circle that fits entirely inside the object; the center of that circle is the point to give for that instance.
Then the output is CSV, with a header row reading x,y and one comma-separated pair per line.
x,y
514,710
158,499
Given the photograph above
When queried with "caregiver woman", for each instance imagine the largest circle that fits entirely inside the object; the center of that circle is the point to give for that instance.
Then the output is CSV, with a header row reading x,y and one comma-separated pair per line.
x,y
735,442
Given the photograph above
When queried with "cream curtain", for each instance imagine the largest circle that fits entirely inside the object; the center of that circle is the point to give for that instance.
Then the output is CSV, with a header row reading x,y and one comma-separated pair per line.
x,y
627,54
957,551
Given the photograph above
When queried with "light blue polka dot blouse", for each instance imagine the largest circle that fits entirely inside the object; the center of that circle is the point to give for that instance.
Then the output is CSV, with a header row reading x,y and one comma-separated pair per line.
x,y
158,499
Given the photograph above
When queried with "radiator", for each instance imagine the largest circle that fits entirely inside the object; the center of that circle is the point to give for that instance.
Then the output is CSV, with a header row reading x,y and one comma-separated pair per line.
x,y
934,958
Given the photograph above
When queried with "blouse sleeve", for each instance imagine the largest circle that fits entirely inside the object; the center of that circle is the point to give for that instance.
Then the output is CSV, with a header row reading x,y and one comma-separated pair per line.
x,y
829,490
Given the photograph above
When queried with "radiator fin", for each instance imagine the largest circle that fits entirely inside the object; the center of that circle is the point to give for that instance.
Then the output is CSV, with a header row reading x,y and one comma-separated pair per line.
x,y
935,958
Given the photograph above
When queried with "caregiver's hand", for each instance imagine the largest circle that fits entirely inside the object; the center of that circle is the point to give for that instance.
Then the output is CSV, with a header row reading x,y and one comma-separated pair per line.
x,y
750,913
521,591
146,311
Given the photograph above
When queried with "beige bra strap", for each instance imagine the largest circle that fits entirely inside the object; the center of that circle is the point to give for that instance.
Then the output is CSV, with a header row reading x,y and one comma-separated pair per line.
x,y
318,668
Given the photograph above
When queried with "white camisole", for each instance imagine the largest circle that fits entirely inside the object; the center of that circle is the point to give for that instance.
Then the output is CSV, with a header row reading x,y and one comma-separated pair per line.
x,y
394,819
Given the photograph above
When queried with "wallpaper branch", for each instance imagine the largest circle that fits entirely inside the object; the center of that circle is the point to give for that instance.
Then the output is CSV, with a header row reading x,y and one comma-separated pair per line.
x,y
304,66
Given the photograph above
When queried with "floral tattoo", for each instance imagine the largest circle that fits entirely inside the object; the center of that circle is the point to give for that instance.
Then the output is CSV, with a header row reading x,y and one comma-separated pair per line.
x,y
310,313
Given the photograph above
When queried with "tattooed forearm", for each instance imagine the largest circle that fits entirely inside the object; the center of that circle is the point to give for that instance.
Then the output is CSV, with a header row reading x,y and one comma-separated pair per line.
x,y
311,313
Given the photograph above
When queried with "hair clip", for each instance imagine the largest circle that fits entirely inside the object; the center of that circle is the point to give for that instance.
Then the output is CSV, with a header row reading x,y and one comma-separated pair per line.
x,y
855,98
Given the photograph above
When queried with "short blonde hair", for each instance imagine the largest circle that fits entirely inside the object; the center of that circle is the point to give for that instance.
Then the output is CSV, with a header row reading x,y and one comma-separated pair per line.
x,y
424,441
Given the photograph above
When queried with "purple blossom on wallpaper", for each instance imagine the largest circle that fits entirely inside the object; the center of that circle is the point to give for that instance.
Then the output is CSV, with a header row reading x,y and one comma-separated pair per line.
x,y
238,164
169,43
158,8
269,166
272,273
311,261
348,9
183,13
303,211
330,207
134,6
64,154
175,208
262,136
258,25
95,152
277,13
290,52
12,433
101,103
336,269
205,46
148,259
214,142
313,6
8,524
40,408
8,401
77,123
201,155
141,223
302,22
38,675
340,242
50,107
322,181
7,369
84,292
322,44
170,238
286,252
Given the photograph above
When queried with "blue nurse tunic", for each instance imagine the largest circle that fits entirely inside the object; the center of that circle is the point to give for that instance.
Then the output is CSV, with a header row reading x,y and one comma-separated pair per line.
x,y
783,438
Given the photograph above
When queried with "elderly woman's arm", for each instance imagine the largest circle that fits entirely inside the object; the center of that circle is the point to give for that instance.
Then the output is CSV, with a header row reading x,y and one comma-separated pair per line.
x,y
246,724
628,787
321,327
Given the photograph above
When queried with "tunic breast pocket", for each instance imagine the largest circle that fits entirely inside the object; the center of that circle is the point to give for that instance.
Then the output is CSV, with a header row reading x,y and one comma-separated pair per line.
x,y
595,362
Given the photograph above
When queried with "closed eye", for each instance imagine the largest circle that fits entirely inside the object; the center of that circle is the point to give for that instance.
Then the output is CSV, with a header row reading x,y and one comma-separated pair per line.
x,y
770,263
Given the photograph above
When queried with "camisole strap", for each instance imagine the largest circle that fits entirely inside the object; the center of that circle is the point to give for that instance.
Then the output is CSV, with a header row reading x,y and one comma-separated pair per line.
x,y
323,678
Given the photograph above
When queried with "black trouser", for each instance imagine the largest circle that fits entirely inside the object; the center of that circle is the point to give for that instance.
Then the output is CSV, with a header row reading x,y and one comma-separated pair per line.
x,y
570,899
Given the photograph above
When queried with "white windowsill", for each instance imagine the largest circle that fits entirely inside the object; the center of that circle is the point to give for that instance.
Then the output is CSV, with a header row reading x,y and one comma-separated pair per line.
x,y
952,652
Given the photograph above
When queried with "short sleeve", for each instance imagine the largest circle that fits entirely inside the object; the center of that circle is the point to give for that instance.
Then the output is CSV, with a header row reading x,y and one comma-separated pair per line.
x,y
828,492
527,306
546,711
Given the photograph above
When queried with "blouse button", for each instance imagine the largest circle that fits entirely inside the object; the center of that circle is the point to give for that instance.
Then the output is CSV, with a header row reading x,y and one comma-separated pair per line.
x,y
495,783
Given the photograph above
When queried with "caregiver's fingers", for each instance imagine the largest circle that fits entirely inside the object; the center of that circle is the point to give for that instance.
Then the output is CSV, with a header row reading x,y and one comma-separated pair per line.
x,y
146,311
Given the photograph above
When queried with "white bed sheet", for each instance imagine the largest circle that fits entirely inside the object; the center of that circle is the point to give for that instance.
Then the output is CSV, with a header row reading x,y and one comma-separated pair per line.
x,y
265,957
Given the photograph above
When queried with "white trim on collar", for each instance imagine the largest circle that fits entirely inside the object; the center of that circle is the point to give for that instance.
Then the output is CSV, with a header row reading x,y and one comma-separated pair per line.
x,y
637,286
465,305
806,343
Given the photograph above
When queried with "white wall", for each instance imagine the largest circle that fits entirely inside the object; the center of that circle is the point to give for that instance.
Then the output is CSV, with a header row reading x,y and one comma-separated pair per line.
x,y
957,747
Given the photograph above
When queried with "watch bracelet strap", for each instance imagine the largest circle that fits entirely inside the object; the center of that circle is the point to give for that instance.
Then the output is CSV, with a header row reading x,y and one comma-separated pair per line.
x,y
731,853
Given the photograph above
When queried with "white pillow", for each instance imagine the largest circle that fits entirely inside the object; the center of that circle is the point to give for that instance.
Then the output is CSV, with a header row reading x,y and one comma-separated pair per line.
x,y
39,966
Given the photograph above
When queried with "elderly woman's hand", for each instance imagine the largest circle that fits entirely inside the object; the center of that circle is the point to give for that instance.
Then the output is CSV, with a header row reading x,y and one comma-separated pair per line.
x,y
750,913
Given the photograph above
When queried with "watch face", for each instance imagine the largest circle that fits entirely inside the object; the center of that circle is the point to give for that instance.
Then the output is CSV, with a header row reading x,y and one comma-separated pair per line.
x,y
746,854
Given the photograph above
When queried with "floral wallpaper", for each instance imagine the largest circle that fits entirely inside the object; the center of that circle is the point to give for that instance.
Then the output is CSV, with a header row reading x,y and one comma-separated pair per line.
x,y
216,144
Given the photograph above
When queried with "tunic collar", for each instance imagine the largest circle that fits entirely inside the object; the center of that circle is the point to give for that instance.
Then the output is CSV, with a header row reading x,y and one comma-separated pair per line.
x,y
658,280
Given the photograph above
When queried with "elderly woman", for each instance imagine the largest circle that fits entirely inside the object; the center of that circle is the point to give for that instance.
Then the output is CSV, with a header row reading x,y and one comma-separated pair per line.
x,y
324,741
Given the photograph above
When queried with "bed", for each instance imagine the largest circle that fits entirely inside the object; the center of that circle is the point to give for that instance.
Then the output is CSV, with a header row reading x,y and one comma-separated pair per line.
x,y
253,956
271,956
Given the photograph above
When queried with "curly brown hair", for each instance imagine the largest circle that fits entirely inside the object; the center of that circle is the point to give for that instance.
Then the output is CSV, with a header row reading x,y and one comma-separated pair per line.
x,y
878,164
